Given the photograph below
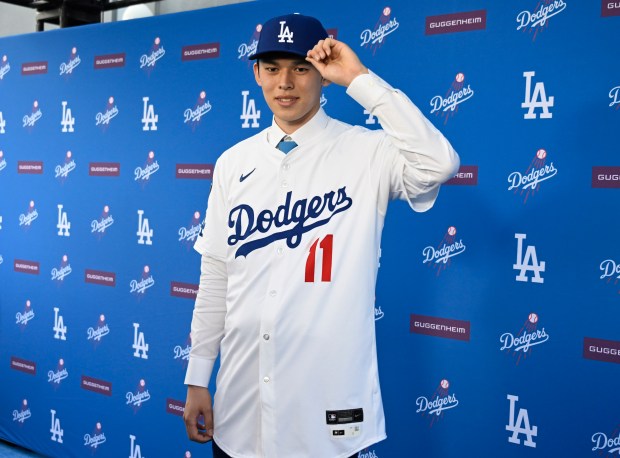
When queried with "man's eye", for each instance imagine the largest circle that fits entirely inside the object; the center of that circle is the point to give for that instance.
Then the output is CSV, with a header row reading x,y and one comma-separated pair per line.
x,y
301,69
271,69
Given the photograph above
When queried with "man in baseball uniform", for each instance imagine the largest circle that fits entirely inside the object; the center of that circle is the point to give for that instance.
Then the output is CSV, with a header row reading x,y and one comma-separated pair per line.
x,y
290,252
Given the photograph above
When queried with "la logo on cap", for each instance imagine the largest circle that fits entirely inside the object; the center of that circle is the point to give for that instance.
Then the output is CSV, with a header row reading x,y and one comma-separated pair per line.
x,y
285,33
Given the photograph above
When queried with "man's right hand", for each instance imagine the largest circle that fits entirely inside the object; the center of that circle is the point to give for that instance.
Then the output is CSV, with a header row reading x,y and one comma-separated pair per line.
x,y
198,403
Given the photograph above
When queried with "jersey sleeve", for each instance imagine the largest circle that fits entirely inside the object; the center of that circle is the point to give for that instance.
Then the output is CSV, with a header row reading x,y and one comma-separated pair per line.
x,y
416,157
212,238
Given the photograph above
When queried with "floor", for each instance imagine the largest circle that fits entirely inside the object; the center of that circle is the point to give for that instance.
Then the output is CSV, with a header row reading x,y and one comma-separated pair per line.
x,y
8,450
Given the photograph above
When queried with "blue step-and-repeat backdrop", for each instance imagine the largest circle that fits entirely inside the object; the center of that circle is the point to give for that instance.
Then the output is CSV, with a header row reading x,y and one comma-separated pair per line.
x,y
497,312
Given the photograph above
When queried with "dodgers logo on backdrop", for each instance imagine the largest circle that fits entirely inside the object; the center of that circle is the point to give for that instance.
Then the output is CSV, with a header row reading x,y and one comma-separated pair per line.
x,y
138,398
610,271
521,343
2,161
104,117
538,19
63,170
249,112
536,98
193,116
5,67
23,414
139,343
528,182
31,118
100,225
2,124
520,425
22,318
97,332
26,219
56,430
95,439
605,444
59,374
448,105
614,95
378,313
181,352
149,59
375,37
296,218
528,262
245,50
440,257
146,281
189,234
64,270
151,166
438,403
66,68
366,453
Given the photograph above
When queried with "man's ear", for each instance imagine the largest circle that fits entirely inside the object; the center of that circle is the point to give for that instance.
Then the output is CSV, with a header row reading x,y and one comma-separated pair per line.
x,y
257,74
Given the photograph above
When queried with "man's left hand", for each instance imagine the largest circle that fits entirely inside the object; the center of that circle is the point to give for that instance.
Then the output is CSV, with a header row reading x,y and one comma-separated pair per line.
x,y
336,61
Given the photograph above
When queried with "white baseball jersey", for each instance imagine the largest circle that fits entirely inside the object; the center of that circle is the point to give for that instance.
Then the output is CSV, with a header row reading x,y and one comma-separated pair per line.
x,y
299,234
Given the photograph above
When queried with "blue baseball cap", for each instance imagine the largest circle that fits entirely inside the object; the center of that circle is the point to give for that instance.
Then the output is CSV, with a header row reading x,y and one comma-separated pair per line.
x,y
292,34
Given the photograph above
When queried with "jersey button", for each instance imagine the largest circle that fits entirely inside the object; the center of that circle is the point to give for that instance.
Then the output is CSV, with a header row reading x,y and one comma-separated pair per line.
x,y
285,184
266,379
286,166
266,336
279,250
272,293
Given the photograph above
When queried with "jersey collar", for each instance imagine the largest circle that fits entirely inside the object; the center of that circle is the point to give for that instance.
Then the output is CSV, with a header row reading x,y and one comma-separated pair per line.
x,y
309,130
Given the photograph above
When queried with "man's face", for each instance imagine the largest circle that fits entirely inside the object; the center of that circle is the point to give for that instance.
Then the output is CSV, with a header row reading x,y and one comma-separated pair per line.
x,y
292,88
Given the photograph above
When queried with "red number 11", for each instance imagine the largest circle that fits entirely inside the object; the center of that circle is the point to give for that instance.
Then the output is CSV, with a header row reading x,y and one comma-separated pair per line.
x,y
326,245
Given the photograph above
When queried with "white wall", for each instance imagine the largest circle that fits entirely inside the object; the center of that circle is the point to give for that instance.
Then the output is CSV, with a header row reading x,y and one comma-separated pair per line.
x,y
16,20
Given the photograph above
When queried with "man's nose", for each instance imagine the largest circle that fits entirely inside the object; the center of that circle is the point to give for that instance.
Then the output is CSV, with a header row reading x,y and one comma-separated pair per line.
x,y
286,79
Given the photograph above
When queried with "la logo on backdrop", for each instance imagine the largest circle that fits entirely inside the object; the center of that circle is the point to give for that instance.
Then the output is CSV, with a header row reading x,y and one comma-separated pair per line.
x,y
438,403
528,183
448,105
536,20
374,37
440,257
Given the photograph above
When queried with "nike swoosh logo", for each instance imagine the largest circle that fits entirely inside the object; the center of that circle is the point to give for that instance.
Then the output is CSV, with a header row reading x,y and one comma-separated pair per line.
x,y
243,177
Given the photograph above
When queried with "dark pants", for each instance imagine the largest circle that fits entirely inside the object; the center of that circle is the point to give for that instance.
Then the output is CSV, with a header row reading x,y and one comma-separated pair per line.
x,y
219,453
